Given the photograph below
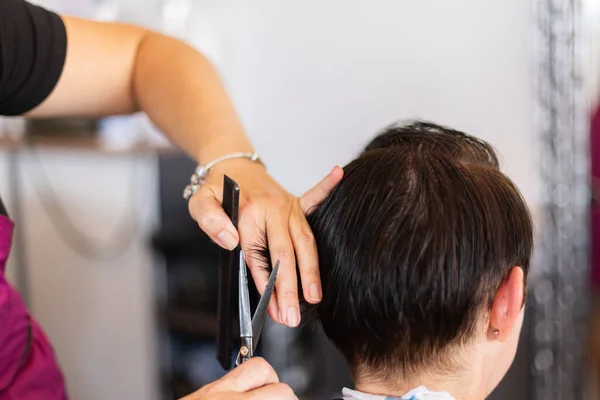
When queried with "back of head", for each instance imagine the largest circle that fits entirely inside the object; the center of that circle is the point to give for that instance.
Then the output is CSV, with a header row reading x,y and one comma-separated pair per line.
x,y
413,245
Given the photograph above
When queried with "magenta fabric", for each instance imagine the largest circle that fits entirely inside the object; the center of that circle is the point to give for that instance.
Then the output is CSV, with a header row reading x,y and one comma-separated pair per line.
x,y
37,376
595,212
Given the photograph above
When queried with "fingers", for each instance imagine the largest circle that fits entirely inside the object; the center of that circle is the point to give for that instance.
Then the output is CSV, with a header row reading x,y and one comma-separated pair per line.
x,y
207,210
282,249
319,193
303,239
253,235
251,375
261,278
287,233
278,391
308,258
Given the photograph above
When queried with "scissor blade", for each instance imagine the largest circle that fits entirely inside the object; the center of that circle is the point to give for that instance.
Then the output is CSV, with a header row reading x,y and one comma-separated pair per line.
x,y
245,316
260,315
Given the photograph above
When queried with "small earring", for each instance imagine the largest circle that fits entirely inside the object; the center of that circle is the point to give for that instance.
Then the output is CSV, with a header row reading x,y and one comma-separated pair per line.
x,y
496,332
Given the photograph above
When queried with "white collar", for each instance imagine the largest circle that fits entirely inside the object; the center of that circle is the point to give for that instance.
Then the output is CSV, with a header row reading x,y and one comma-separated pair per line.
x,y
420,393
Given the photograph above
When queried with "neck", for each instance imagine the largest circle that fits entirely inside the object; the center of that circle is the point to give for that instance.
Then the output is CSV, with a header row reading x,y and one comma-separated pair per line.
x,y
470,383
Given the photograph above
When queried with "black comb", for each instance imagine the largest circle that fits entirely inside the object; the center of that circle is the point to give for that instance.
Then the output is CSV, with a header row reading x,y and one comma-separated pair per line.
x,y
228,264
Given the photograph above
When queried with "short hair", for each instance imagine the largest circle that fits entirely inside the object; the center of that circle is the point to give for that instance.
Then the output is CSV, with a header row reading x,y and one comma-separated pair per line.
x,y
413,245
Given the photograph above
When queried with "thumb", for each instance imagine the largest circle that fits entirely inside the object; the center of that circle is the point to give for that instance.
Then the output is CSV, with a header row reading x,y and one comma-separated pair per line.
x,y
251,375
322,190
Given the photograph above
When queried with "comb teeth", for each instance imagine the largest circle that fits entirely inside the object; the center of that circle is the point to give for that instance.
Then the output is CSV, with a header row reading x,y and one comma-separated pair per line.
x,y
231,195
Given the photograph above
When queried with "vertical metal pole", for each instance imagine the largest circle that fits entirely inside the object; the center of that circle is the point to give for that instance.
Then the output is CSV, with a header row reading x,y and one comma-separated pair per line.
x,y
560,291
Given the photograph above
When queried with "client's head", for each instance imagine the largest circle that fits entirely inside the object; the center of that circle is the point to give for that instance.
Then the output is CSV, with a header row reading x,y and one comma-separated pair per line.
x,y
424,248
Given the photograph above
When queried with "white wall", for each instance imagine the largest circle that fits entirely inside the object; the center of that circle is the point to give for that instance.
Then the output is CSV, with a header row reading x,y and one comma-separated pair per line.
x,y
313,80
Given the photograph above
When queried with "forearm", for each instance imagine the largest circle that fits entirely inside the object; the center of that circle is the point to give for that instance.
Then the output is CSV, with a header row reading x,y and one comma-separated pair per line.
x,y
183,95
115,69
112,69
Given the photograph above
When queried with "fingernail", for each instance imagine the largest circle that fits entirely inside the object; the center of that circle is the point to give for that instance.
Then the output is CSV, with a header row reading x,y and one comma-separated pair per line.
x,y
315,292
280,317
227,240
292,317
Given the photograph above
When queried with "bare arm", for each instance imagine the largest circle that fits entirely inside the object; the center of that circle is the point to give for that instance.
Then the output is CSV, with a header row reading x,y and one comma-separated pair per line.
x,y
119,69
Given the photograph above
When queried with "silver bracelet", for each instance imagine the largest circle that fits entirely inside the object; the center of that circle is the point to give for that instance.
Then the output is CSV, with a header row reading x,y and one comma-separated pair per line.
x,y
201,172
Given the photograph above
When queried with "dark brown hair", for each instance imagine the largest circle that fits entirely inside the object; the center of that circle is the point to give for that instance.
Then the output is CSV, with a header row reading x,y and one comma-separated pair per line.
x,y
413,246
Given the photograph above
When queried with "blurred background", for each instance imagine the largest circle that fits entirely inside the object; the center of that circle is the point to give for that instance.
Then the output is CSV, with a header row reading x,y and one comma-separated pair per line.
x,y
124,283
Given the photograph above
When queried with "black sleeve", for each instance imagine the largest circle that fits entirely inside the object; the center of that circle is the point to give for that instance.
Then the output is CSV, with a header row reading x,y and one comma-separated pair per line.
x,y
33,45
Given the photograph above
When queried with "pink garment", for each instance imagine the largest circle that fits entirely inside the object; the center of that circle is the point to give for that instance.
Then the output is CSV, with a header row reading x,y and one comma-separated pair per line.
x,y
595,212
28,368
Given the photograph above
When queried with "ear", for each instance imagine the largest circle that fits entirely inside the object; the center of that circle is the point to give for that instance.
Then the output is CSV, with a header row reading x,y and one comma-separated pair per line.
x,y
507,306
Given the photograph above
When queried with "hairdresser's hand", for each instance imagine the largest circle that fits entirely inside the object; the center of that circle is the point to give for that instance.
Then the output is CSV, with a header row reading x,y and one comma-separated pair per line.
x,y
265,207
253,380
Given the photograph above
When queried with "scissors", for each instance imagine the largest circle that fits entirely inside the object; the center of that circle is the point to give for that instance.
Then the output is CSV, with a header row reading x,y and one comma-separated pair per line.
x,y
250,328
